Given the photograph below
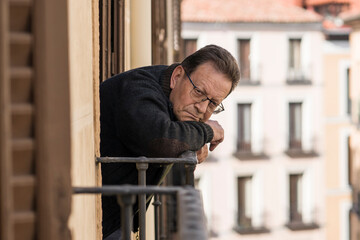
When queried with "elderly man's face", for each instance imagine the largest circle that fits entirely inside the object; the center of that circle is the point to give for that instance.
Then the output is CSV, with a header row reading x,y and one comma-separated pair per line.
x,y
208,80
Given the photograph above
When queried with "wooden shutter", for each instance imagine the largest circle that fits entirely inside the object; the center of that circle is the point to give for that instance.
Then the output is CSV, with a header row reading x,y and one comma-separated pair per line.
x,y
190,46
159,33
18,179
34,180
112,25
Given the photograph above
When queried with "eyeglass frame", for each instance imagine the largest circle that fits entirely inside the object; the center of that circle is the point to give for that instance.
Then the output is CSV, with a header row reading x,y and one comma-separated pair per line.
x,y
206,98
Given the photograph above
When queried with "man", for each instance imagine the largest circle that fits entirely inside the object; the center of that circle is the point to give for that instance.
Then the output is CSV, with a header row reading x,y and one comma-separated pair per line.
x,y
162,111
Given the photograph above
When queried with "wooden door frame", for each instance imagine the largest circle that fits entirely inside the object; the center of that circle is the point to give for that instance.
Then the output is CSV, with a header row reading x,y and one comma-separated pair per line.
x,y
53,136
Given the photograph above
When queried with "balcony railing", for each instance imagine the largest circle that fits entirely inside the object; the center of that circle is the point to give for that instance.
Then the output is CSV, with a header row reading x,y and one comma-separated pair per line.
x,y
190,214
297,77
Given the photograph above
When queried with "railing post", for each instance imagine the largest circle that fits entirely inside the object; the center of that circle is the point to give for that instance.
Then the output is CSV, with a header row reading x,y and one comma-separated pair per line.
x,y
189,168
189,174
126,202
157,204
142,167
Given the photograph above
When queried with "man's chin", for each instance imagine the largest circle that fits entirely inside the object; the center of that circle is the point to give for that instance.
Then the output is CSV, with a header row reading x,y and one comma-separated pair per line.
x,y
188,118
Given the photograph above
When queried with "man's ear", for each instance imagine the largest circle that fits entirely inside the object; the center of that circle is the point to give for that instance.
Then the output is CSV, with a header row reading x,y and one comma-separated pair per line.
x,y
176,76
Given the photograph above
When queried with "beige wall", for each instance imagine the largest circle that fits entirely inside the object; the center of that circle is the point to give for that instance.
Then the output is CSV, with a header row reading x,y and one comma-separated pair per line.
x,y
85,220
355,73
332,85
83,172
337,127
355,96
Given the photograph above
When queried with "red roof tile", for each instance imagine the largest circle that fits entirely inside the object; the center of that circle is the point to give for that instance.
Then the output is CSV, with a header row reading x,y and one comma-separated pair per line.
x,y
245,11
320,2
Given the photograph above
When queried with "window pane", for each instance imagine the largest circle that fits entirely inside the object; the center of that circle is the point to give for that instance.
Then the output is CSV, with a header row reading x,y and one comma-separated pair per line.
x,y
244,127
244,201
295,197
295,57
295,125
244,59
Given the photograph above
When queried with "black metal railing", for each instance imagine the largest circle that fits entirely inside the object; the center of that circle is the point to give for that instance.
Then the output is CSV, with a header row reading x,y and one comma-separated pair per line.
x,y
191,222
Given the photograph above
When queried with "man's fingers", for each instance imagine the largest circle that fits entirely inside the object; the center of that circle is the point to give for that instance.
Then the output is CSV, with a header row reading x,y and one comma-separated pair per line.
x,y
214,144
202,154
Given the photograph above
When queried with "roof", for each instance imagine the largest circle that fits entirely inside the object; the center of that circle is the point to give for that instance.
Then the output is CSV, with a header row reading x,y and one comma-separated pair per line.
x,y
272,11
320,2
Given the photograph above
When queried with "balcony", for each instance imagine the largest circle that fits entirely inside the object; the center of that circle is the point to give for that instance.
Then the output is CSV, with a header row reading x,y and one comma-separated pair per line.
x,y
245,152
296,222
188,214
297,77
246,227
247,76
296,148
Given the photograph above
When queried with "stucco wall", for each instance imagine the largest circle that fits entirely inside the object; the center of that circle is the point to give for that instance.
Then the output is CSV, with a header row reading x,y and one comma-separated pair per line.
x,y
270,114
82,117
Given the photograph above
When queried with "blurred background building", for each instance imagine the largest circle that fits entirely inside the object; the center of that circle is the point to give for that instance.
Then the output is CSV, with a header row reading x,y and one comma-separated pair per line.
x,y
286,170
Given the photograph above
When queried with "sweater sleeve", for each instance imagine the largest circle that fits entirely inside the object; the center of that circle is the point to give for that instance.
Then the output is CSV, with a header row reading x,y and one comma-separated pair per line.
x,y
142,120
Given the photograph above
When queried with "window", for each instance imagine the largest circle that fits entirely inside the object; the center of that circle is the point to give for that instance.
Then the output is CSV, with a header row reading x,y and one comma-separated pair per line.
x,y
348,99
295,126
244,59
244,128
299,209
244,202
350,162
190,46
248,213
295,71
295,198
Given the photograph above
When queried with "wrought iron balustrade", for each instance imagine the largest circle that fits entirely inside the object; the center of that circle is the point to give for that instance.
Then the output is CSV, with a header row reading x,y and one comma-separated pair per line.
x,y
190,215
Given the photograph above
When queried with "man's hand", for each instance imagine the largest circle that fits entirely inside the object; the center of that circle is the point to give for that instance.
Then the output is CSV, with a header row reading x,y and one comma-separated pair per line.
x,y
218,133
202,153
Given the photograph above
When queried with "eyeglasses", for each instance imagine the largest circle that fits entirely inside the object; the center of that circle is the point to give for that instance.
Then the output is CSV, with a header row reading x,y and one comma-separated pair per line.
x,y
199,96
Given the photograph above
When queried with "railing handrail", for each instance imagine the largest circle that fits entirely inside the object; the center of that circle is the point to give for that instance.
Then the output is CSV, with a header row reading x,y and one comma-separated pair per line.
x,y
127,189
126,193
185,158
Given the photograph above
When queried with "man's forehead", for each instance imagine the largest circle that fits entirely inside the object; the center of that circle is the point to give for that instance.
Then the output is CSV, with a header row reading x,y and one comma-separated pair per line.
x,y
212,82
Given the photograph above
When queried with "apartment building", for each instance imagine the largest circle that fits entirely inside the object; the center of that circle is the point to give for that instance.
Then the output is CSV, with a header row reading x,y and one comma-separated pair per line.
x,y
267,179
354,148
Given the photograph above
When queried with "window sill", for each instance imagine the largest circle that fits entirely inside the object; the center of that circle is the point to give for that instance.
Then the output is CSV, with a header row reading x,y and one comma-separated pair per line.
x,y
251,230
299,153
248,155
249,82
298,82
299,226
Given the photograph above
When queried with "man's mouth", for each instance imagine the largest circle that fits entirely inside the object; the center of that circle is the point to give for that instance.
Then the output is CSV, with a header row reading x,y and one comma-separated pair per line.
x,y
195,118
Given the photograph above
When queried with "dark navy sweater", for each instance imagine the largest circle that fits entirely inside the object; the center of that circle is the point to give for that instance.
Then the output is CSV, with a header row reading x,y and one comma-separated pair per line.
x,y
137,120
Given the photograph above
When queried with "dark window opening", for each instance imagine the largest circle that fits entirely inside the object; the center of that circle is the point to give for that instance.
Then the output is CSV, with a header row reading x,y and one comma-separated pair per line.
x,y
295,126
244,59
244,128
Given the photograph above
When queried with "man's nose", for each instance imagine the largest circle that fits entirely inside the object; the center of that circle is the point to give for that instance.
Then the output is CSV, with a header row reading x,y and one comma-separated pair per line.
x,y
202,106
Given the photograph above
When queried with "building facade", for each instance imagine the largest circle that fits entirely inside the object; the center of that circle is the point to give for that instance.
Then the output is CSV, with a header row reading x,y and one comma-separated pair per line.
x,y
354,22
267,179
